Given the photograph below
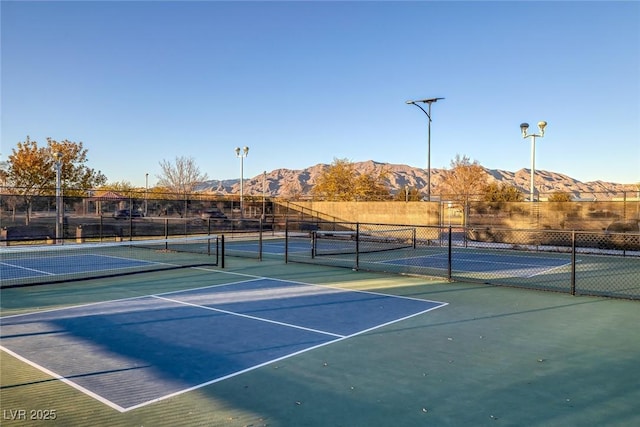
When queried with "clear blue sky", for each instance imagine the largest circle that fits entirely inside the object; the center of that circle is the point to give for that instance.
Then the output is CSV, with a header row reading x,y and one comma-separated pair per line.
x,y
302,83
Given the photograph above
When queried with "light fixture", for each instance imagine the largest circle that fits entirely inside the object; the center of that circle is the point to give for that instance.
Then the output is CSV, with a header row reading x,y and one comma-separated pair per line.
x,y
242,153
523,128
59,208
428,101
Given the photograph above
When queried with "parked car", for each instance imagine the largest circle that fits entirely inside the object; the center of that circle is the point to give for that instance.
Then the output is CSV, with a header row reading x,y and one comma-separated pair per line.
x,y
126,214
212,214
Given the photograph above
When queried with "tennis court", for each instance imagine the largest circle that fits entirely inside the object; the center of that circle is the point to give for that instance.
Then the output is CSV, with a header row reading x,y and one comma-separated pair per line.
x,y
36,267
31,265
273,246
128,353
427,252
508,265
270,343
405,255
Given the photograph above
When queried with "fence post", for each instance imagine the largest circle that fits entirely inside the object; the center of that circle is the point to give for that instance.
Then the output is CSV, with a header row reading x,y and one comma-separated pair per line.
x,y
573,262
222,251
286,240
357,246
450,256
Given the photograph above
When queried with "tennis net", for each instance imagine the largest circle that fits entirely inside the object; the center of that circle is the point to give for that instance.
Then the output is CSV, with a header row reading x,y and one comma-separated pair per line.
x,y
35,265
362,240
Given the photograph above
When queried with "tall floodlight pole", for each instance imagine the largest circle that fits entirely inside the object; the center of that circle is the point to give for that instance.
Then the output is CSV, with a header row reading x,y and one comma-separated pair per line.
x,y
59,208
264,194
523,127
242,153
428,113
146,191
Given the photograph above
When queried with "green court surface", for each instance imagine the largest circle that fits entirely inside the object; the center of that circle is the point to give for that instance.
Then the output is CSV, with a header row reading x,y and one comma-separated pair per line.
x,y
493,356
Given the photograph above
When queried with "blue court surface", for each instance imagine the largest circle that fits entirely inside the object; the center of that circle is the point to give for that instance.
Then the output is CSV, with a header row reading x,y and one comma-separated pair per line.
x,y
272,247
496,263
132,352
24,268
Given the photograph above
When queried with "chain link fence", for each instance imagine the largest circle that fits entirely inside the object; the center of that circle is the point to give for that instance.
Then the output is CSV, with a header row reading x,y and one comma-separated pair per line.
x,y
107,215
588,248
579,263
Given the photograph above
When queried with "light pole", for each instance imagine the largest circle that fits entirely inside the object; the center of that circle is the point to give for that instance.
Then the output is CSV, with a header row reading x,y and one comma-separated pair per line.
x,y
264,194
523,127
146,191
242,153
59,208
428,113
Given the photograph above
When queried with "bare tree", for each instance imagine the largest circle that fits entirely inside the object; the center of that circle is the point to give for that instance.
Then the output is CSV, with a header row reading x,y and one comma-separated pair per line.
x,y
180,179
464,179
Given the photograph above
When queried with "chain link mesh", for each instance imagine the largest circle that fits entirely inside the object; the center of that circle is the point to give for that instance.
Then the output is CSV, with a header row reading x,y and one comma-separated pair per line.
x,y
584,263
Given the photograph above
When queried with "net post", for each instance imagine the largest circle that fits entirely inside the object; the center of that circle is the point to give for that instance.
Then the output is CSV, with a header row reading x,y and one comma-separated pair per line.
x,y
222,251
449,257
130,218
286,241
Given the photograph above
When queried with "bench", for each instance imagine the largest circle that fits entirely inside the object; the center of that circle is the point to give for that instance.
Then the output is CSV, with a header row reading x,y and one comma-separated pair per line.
x,y
25,233
93,231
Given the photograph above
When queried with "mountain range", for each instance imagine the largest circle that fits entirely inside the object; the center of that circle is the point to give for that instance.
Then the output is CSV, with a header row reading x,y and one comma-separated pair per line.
x,y
287,183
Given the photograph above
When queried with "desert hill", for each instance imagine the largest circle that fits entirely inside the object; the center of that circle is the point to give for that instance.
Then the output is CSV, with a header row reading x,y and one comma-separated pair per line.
x,y
288,183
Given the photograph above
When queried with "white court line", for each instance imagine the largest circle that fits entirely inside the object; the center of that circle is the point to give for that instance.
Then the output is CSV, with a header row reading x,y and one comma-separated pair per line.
x,y
475,260
135,262
549,269
233,313
65,380
251,278
215,380
46,273
251,368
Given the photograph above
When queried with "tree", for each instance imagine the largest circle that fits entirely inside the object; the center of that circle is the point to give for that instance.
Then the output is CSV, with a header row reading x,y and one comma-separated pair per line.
x,y
464,179
336,182
180,179
502,192
370,187
32,170
4,166
560,196
408,194
123,187
341,182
